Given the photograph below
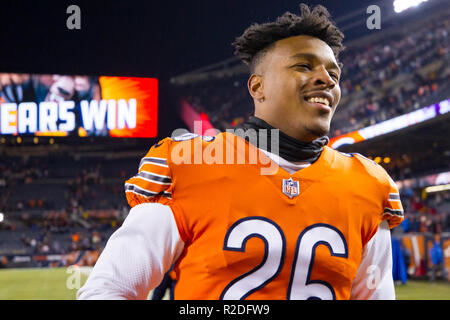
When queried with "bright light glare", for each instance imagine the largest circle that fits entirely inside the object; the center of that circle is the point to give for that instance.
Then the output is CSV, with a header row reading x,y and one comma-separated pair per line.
x,y
402,5
437,188
2,217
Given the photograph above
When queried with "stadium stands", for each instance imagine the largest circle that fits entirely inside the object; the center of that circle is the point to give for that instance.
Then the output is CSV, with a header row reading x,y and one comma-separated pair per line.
x,y
57,205
395,76
426,215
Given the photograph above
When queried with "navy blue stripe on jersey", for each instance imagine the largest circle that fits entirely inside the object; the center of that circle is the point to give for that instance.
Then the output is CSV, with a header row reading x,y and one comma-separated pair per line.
x,y
394,212
394,196
153,177
145,193
152,160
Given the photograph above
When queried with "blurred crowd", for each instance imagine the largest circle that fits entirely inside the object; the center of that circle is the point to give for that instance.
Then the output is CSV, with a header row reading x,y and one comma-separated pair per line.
x,y
405,166
46,243
369,76
55,208
426,212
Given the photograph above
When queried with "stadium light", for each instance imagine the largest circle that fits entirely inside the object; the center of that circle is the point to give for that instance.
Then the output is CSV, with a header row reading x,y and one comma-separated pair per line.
x,y
437,188
2,217
402,5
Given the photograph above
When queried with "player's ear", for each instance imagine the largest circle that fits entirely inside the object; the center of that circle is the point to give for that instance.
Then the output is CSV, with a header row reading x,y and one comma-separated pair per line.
x,y
255,86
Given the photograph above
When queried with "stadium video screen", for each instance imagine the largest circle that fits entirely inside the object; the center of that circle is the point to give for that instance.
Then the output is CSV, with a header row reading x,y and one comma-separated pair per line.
x,y
78,106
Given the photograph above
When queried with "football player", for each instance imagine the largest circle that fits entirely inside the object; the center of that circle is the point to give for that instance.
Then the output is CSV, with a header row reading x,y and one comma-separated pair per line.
x,y
316,227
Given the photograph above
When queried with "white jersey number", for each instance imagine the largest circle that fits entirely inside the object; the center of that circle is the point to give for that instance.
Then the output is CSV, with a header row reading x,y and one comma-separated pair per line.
x,y
300,284
301,287
268,269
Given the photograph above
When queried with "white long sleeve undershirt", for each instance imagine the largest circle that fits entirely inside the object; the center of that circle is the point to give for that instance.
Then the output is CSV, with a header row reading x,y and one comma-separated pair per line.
x,y
136,256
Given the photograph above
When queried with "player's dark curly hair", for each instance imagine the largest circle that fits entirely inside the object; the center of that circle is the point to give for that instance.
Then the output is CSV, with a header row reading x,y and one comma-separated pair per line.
x,y
258,39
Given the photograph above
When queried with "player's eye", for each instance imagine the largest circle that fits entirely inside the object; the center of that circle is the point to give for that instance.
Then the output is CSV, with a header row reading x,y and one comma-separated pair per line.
x,y
303,66
334,76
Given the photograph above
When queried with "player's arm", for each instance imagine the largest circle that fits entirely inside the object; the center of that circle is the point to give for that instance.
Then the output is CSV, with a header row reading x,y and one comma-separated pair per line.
x,y
374,277
143,249
136,256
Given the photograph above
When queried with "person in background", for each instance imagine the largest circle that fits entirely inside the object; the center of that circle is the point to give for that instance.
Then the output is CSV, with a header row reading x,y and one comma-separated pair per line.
x,y
3,262
437,258
399,272
406,224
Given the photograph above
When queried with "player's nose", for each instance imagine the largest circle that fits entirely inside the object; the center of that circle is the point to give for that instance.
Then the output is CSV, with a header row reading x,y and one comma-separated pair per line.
x,y
323,79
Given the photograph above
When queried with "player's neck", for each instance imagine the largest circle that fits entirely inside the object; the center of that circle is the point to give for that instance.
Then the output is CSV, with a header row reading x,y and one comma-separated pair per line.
x,y
289,148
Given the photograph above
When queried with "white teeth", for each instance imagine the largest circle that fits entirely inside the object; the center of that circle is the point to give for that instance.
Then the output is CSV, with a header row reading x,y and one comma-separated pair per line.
x,y
319,100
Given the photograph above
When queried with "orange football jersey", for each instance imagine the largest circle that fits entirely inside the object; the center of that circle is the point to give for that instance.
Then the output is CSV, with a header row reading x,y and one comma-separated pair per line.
x,y
249,235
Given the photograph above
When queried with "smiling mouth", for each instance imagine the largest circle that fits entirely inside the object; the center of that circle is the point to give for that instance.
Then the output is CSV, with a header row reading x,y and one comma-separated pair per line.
x,y
322,104
320,100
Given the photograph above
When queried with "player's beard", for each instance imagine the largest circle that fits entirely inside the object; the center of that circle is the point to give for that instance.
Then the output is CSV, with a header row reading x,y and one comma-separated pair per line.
x,y
318,132
321,126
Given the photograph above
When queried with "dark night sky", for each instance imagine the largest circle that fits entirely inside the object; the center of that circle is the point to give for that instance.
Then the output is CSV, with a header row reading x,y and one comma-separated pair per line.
x,y
130,38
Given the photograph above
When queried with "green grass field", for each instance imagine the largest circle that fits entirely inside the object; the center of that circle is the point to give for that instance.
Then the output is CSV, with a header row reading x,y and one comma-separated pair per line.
x,y
52,284
36,284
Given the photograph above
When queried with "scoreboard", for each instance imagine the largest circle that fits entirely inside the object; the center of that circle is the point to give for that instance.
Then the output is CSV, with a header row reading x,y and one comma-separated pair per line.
x,y
62,105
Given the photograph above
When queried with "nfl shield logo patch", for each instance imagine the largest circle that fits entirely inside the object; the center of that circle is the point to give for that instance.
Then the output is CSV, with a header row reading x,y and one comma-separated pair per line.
x,y
291,188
